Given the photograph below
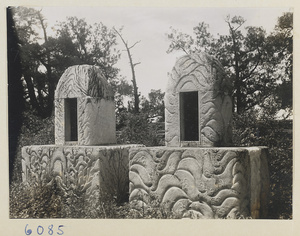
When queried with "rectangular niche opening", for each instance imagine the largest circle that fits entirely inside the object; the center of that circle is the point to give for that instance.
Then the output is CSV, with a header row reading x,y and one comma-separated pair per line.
x,y
189,116
71,127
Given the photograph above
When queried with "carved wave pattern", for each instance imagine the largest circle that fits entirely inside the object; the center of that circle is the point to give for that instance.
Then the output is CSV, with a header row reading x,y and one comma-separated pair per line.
x,y
83,169
206,75
196,69
197,184
73,83
59,121
84,126
78,168
35,164
98,86
172,120
215,119
82,81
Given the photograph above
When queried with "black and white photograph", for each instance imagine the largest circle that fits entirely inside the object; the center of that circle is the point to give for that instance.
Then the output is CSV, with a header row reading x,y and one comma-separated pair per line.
x,y
171,114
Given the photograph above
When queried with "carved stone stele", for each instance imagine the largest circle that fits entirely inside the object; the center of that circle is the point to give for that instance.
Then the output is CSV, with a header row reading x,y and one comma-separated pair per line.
x,y
87,89
198,105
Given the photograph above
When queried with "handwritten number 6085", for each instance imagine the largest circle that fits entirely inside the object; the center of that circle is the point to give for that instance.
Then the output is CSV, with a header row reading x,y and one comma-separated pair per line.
x,y
40,230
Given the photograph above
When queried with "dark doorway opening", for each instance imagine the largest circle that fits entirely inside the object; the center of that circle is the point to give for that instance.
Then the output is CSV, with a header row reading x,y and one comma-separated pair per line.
x,y
189,113
71,127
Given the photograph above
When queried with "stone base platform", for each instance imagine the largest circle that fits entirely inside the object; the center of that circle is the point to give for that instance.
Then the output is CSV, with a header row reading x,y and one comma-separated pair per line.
x,y
201,182
87,168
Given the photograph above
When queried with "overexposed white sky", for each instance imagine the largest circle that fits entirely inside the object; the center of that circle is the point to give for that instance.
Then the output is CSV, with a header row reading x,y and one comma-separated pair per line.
x,y
150,26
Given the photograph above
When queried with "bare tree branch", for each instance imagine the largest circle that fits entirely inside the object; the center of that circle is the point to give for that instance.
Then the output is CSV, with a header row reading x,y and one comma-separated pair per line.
x,y
134,44
132,65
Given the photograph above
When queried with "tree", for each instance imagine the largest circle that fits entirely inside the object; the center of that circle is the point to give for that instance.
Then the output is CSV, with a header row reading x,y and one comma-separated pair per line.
x,y
45,58
281,47
154,107
132,66
35,56
15,90
89,44
123,89
247,55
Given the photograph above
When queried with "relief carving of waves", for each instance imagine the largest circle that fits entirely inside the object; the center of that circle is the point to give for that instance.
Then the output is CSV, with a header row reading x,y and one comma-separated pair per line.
x,y
197,184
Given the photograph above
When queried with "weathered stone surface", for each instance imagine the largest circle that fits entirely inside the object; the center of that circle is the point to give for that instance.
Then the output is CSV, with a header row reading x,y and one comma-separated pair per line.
x,y
88,168
95,107
204,75
200,182
83,81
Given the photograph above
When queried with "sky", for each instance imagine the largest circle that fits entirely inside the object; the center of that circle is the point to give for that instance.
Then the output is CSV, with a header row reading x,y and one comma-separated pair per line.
x,y
150,25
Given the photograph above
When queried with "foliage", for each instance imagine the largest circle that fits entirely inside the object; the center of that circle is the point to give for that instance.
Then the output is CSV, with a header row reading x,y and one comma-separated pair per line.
x,y
138,130
51,201
277,136
260,65
37,61
44,201
89,44
155,106
35,130
282,44
44,58
144,127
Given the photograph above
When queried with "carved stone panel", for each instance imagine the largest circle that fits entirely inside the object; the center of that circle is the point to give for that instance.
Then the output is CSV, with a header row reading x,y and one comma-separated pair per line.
x,y
84,108
197,87
91,169
59,107
83,81
96,121
200,182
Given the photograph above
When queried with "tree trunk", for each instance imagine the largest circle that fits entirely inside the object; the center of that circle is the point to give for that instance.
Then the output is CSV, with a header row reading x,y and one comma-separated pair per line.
x,y
237,82
31,93
132,65
15,94
51,83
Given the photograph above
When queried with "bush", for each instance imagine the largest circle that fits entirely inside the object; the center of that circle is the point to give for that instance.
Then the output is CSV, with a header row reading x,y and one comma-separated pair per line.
x,y
139,131
41,200
52,201
277,136
34,131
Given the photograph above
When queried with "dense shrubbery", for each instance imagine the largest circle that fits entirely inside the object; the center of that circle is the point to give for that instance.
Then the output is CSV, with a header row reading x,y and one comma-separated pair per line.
x,y
51,201
44,201
277,136
34,131
138,130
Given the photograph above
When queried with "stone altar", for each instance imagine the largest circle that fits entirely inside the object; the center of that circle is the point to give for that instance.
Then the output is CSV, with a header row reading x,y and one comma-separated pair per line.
x,y
84,126
196,175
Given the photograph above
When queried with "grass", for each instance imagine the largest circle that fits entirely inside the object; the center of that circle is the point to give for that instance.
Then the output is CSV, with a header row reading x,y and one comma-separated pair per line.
x,y
51,201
